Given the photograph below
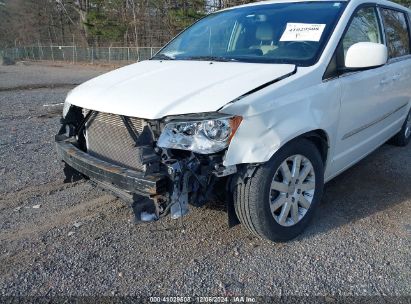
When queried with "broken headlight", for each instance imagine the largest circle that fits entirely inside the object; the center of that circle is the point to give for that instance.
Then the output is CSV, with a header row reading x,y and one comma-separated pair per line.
x,y
205,136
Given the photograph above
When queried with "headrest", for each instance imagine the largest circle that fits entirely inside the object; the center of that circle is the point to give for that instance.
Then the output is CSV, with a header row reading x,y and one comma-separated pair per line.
x,y
265,32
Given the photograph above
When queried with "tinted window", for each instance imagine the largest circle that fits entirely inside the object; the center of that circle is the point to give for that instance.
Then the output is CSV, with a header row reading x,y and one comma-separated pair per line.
x,y
396,31
364,27
269,33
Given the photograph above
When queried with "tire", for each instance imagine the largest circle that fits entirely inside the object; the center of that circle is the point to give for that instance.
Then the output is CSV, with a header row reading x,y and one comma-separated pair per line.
x,y
403,137
253,196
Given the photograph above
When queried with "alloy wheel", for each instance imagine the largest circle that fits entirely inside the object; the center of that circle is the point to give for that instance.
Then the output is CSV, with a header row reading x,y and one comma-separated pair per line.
x,y
292,190
408,126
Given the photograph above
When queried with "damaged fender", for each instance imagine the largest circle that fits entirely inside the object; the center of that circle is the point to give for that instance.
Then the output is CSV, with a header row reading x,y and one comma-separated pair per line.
x,y
264,129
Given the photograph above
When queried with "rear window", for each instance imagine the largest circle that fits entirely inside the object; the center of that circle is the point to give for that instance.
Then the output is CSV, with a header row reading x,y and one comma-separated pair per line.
x,y
397,32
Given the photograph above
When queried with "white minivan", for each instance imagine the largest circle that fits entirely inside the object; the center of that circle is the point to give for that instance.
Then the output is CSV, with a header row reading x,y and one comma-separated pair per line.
x,y
257,105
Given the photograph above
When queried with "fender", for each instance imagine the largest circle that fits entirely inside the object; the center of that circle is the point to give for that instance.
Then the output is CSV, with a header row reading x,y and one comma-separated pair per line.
x,y
273,116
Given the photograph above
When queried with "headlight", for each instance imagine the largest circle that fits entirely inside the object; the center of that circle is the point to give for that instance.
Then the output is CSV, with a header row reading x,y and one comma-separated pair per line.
x,y
66,109
205,136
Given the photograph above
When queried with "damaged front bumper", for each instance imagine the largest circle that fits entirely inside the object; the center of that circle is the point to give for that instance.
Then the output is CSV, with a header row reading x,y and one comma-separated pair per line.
x,y
122,156
148,185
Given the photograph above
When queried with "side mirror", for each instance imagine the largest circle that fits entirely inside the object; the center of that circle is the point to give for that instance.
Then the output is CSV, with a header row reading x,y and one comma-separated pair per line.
x,y
364,55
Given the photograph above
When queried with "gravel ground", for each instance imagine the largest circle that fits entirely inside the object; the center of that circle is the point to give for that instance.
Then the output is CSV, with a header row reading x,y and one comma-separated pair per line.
x,y
77,240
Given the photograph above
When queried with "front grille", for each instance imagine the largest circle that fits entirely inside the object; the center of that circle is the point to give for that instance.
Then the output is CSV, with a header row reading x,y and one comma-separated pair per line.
x,y
107,138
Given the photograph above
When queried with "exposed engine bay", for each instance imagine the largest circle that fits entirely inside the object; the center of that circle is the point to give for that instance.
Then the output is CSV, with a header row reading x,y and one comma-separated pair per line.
x,y
130,143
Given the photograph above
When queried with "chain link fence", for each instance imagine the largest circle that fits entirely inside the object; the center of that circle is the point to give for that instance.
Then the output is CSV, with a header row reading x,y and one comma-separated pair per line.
x,y
73,54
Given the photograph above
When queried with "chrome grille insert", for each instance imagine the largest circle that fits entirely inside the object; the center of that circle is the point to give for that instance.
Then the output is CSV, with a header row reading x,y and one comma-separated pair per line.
x,y
107,138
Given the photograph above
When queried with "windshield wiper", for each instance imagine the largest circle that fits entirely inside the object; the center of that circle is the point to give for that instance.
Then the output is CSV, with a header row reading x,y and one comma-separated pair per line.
x,y
209,58
162,57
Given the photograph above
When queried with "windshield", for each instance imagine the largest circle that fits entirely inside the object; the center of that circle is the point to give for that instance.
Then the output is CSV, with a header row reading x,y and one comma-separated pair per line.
x,y
294,33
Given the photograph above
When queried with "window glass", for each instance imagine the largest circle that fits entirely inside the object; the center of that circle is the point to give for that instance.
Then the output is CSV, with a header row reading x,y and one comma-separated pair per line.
x,y
364,27
396,31
293,33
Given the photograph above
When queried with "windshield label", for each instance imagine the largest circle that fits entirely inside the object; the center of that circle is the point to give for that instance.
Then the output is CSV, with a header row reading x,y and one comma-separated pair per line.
x,y
303,32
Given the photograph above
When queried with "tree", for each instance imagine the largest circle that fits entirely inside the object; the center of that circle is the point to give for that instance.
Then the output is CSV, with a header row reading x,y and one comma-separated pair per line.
x,y
103,22
406,3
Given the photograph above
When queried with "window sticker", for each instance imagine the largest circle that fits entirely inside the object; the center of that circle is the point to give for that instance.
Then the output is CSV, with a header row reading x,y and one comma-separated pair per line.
x,y
303,32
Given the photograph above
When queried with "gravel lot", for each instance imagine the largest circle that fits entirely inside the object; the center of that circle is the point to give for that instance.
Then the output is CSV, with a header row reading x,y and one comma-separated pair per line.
x,y
77,240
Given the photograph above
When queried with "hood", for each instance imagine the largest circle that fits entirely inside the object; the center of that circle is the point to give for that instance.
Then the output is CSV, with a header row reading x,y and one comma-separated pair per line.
x,y
155,89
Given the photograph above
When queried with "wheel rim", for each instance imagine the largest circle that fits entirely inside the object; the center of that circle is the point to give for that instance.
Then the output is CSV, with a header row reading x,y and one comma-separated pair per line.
x,y
408,126
292,190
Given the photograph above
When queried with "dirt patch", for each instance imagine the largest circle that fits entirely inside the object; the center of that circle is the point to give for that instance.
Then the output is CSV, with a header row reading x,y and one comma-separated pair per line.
x,y
57,219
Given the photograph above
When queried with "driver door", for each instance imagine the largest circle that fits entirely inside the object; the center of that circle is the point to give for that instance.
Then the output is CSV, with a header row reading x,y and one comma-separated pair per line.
x,y
363,93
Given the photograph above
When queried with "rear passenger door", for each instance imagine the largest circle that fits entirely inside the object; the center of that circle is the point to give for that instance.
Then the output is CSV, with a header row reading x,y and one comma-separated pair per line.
x,y
397,36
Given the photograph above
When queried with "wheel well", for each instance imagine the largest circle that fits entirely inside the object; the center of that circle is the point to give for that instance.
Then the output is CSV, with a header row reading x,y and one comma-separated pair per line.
x,y
320,139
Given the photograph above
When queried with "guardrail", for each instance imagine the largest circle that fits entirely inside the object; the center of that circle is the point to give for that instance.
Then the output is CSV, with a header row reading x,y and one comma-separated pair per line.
x,y
81,54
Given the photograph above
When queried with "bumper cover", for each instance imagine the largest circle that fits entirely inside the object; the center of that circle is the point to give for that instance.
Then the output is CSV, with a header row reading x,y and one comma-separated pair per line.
x,y
94,168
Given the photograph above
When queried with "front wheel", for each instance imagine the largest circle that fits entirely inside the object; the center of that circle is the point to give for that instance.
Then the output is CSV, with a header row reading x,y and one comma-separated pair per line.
x,y
404,136
280,198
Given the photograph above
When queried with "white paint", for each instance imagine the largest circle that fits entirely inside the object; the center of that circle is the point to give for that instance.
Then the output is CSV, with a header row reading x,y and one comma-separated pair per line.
x,y
274,115
155,89
366,55
304,102
303,32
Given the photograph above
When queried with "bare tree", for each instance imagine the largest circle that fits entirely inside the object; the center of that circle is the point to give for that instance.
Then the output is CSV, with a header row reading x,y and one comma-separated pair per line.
x,y
103,22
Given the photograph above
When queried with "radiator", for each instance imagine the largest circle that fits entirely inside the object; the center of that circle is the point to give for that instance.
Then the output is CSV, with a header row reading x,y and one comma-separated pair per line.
x,y
107,139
